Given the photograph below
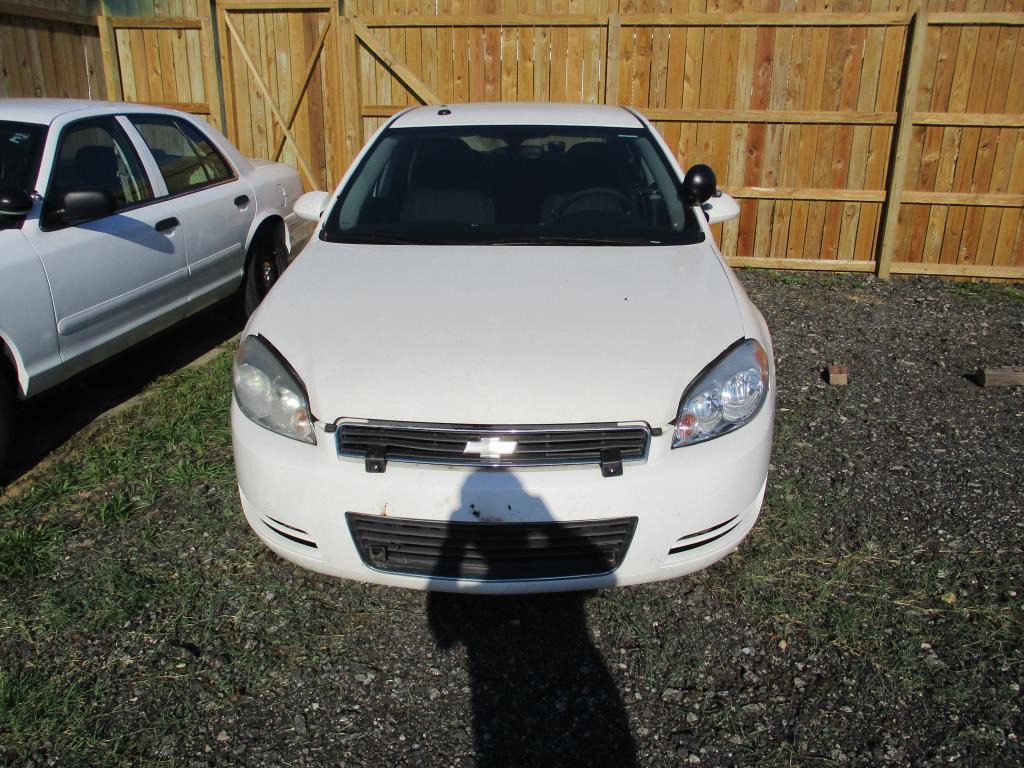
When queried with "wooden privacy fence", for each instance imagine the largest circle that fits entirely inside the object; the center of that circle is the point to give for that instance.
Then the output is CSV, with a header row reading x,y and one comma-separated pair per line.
x,y
863,135
885,142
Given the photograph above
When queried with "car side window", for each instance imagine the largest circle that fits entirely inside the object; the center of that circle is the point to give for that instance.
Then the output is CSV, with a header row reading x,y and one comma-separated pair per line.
x,y
186,157
96,154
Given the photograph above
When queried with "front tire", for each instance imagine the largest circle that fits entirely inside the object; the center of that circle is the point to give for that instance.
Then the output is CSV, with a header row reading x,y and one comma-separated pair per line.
x,y
268,257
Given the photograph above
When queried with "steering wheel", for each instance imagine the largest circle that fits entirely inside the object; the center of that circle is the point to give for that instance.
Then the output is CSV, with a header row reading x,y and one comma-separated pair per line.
x,y
625,203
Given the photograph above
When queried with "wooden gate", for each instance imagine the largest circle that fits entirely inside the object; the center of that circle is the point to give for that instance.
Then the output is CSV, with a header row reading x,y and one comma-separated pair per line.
x,y
164,61
280,69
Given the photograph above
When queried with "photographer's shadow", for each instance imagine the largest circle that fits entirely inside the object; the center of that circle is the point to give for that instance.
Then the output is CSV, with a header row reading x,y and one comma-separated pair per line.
x,y
541,693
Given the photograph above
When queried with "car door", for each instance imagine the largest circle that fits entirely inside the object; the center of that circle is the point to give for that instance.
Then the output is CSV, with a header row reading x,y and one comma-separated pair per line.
x,y
215,206
117,278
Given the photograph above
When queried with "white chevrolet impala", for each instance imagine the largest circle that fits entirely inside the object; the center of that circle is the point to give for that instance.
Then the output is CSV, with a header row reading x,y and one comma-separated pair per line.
x,y
512,359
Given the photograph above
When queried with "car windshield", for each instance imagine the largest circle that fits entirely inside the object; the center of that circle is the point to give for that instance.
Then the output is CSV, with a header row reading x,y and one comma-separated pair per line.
x,y
528,185
20,144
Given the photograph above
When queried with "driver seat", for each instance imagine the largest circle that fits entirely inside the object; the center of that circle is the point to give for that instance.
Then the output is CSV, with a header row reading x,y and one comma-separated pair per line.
x,y
589,165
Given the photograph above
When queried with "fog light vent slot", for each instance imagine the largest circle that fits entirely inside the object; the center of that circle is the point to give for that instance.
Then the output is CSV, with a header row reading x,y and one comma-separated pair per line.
x,y
289,532
700,538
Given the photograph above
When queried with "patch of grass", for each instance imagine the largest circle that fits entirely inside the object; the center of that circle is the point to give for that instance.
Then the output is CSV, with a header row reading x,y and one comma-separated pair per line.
x,y
989,290
106,557
786,277
54,712
889,605
26,550
118,505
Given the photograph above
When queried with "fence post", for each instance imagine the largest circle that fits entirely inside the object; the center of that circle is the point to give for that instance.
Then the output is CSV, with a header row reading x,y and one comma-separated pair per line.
x,y
351,96
611,70
227,77
901,145
211,82
108,51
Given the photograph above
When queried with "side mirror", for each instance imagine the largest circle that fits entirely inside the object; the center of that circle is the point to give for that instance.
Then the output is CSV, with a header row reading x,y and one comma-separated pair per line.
x,y
311,205
14,201
83,205
699,185
721,207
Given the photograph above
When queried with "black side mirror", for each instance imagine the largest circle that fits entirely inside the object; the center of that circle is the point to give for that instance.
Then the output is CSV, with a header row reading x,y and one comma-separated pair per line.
x,y
14,201
84,204
699,185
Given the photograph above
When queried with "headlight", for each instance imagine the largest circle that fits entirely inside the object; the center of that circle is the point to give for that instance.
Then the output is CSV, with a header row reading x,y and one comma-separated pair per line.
x,y
725,397
269,392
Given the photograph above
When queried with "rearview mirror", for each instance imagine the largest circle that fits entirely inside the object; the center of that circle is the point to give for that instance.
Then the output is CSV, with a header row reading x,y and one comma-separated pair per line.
x,y
311,205
14,201
699,185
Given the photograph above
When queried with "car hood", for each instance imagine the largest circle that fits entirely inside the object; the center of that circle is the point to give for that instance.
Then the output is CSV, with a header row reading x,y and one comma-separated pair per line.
x,y
500,334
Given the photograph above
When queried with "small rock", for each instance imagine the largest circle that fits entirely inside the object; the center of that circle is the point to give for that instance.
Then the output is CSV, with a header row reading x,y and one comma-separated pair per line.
x,y
223,736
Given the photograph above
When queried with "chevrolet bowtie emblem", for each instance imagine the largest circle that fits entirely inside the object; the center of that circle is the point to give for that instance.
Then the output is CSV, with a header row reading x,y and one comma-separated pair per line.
x,y
490,447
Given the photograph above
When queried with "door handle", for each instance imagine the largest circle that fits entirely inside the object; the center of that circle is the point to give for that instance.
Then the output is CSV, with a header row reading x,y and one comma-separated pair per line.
x,y
242,200
165,225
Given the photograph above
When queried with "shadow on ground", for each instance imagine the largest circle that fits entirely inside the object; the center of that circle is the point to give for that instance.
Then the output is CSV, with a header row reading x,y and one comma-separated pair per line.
x,y
44,423
540,691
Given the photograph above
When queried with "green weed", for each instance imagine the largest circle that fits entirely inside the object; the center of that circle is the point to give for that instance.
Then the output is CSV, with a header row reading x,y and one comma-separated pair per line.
x,y
26,550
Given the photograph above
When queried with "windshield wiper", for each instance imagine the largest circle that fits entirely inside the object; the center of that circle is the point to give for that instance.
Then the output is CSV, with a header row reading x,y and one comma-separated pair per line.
x,y
567,240
349,237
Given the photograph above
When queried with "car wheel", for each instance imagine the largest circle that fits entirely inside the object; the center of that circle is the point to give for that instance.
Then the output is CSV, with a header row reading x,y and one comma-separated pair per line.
x,y
6,414
268,257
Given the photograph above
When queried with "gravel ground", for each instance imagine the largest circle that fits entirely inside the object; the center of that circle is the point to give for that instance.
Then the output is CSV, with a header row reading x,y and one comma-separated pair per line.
x,y
873,617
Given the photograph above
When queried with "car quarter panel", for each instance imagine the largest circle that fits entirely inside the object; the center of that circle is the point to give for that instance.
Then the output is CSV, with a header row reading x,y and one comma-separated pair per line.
x,y
276,187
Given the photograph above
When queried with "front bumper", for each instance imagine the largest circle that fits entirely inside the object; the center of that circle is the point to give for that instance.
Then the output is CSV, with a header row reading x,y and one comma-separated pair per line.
x,y
296,495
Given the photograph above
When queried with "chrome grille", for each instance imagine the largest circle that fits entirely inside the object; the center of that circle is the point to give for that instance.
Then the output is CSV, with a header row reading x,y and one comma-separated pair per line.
x,y
492,446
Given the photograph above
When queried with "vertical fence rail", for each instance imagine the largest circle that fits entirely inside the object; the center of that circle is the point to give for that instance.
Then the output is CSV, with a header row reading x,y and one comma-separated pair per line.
x,y
901,146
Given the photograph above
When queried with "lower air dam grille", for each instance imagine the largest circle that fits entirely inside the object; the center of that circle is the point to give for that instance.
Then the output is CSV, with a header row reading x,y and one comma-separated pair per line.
x,y
491,551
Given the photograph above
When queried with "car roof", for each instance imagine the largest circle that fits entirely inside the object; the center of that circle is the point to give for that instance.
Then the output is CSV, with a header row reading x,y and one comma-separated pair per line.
x,y
517,113
45,111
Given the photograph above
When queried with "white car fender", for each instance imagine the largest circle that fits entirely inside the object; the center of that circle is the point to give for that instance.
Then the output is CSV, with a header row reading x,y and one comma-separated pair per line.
x,y
260,219
28,328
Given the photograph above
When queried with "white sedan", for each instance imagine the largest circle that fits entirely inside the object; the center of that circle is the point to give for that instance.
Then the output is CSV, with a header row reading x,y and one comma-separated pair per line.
x,y
511,359
116,221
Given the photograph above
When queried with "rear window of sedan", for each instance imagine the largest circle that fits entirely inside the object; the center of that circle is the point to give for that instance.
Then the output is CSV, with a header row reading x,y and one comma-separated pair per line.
x,y
187,158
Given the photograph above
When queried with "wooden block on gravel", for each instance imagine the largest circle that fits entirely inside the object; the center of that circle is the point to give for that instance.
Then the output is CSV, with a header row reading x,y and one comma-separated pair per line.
x,y
837,375
1010,376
